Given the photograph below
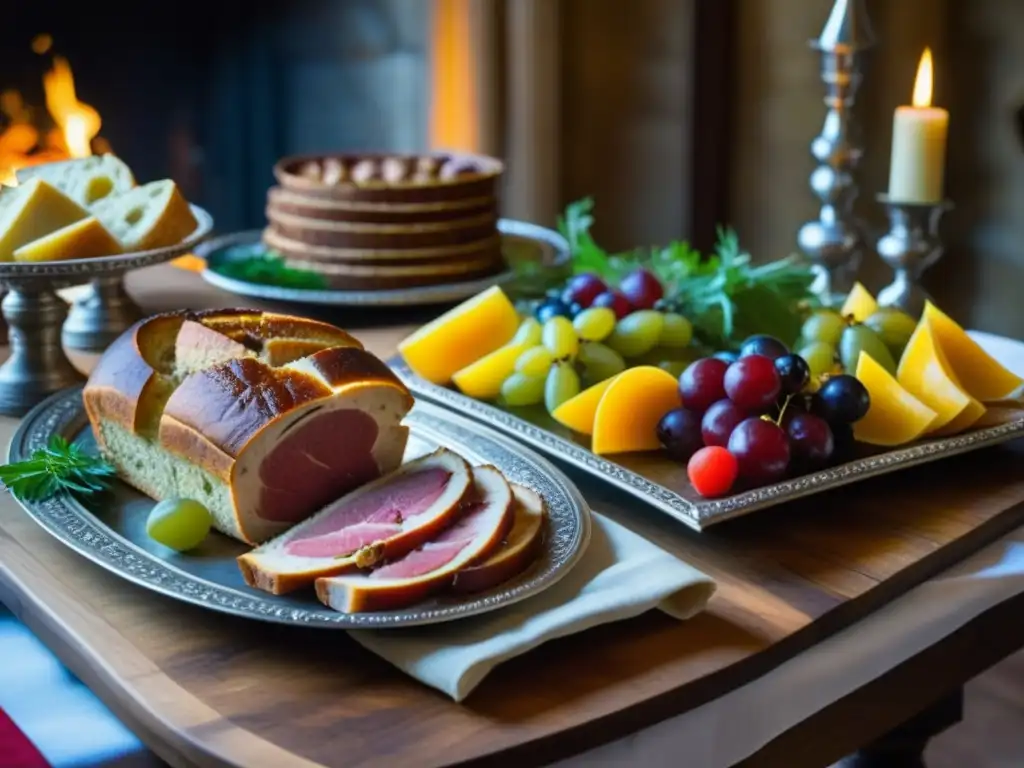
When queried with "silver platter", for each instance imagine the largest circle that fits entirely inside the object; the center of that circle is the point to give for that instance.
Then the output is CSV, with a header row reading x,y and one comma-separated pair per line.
x,y
663,484
115,537
542,244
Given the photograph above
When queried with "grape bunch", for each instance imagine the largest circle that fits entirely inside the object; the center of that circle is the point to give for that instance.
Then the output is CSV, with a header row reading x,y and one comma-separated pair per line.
x,y
587,333
755,419
831,343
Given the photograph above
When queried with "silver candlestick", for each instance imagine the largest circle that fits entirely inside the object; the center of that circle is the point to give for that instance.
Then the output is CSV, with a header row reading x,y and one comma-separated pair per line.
x,y
835,241
911,246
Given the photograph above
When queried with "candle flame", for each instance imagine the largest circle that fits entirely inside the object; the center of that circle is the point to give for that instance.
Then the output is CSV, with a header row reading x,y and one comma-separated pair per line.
x,y
923,81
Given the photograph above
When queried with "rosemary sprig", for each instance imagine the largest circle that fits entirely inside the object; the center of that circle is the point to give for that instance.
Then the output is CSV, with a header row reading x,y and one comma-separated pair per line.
x,y
60,466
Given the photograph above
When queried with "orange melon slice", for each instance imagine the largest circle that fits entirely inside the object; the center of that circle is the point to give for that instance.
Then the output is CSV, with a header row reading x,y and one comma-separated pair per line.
x,y
578,413
859,303
628,414
926,374
482,379
461,336
895,417
978,372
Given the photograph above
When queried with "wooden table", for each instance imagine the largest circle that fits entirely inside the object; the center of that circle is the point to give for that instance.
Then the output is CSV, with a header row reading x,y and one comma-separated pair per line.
x,y
205,689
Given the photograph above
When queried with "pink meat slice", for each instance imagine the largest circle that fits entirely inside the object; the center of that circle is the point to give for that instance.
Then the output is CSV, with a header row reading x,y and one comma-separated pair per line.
x,y
321,459
372,516
436,554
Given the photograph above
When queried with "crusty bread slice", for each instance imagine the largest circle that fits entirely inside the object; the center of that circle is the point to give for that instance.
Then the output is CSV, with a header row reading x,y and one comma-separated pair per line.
x,y
154,215
86,180
432,567
382,520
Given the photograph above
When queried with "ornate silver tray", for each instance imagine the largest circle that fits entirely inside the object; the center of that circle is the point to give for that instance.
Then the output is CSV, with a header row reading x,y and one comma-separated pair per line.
x,y
520,240
662,483
115,538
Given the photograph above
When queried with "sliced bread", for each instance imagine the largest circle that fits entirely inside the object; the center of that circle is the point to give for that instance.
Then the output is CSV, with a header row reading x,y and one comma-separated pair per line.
x,y
86,180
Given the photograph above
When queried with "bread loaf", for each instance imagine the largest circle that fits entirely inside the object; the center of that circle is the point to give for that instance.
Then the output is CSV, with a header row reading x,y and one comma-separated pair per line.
x,y
263,418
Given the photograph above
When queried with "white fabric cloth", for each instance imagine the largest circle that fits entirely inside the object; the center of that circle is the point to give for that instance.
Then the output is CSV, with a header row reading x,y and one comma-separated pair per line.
x,y
620,575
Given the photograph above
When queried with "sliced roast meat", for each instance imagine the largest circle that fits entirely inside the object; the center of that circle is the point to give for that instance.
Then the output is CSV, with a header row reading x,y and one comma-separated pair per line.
x,y
517,552
384,519
479,530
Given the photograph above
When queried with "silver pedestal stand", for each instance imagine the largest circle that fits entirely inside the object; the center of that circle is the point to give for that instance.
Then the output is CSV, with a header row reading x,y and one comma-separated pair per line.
x,y
38,366
100,315
911,246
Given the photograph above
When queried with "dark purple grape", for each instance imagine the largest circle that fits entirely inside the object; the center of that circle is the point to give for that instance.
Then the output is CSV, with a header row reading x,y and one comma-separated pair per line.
x,y
841,400
767,346
753,383
583,289
729,357
810,440
702,383
719,421
552,308
762,450
679,432
575,309
794,373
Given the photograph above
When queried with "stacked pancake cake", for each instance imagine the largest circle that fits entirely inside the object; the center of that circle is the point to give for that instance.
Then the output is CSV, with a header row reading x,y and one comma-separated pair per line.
x,y
378,222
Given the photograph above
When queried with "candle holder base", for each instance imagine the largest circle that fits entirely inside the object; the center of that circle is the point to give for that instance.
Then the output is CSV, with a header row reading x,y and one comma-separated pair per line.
x,y
911,246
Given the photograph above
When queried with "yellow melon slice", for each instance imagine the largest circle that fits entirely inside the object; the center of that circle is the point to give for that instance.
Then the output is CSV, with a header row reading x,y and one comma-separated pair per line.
x,y
482,379
859,303
578,413
978,373
926,374
461,336
627,416
895,417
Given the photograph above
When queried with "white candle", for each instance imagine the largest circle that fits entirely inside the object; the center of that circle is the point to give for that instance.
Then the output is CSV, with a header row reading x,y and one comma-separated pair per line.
x,y
919,144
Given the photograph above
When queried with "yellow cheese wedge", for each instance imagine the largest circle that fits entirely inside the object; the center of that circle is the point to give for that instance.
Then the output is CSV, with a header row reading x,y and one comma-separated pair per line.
x,y
978,373
926,374
895,416
82,240
578,413
461,336
482,379
36,210
859,303
628,414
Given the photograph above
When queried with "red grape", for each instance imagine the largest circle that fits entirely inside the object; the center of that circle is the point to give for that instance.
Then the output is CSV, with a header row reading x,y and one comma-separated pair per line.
x,y
712,471
615,301
719,421
753,383
810,440
642,289
702,383
762,450
761,344
583,289
679,432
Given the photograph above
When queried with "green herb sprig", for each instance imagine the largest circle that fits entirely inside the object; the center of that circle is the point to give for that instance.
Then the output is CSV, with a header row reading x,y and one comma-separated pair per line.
x,y
60,466
723,294
268,268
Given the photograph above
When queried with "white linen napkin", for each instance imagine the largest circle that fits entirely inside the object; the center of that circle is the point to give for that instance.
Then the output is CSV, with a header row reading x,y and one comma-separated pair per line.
x,y
620,575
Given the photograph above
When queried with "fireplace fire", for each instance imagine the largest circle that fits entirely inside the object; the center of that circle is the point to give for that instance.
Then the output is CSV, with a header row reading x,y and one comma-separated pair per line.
x,y
69,128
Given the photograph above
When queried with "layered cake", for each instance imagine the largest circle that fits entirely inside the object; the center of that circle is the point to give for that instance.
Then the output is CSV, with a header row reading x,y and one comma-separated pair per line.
x,y
375,221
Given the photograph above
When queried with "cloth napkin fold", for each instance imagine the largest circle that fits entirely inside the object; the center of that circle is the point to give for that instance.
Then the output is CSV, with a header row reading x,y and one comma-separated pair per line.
x,y
620,575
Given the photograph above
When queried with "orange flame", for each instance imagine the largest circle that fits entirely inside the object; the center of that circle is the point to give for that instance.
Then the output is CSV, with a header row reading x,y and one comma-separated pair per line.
x,y
78,122
923,81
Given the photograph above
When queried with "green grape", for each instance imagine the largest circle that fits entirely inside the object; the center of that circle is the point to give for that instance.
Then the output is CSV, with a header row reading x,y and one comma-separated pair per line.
x,y
824,325
594,324
560,338
529,332
180,524
535,361
859,338
676,331
637,333
599,362
820,358
562,384
675,367
894,326
520,389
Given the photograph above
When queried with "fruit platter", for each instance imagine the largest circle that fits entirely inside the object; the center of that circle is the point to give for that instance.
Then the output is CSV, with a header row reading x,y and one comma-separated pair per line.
x,y
710,386
201,460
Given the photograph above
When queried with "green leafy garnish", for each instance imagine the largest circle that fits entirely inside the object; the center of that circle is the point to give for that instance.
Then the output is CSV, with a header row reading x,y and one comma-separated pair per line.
x,y
723,294
268,268
60,466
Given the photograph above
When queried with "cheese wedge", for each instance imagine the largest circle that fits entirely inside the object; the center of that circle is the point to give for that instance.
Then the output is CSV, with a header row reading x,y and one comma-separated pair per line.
x,y
154,215
36,209
85,180
84,239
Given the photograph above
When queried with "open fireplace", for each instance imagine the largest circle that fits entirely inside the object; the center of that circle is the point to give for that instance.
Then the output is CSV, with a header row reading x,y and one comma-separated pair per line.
x,y
212,93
